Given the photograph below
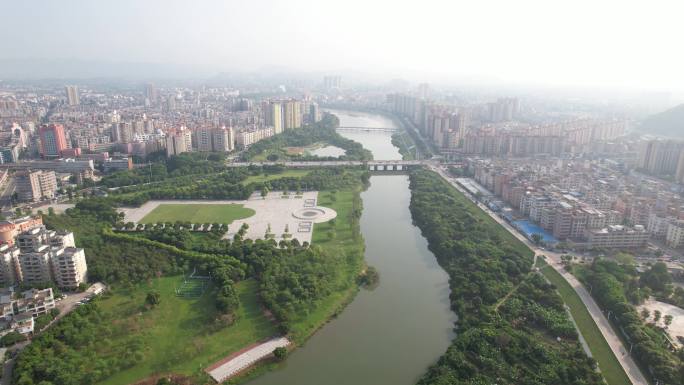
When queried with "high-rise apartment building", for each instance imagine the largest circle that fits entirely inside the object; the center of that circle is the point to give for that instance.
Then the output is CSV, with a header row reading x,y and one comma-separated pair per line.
x,y
661,157
504,109
72,95
151,93
35,185
273,116
178,142
41,256
314,113
69,267
8,271
34,266
203,139
215,139
52,140
679,176
332,82
292,114
223,139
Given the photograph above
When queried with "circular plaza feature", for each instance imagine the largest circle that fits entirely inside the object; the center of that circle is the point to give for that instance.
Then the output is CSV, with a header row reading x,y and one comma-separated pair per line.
x,y
315,214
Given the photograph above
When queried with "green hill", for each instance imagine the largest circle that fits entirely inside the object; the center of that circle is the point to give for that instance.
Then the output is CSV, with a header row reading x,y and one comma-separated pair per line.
x,y
669,123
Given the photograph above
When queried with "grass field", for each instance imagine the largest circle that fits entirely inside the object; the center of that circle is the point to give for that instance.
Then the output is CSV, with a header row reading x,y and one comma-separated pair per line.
x,y
197,213
179,334
610,367
267,177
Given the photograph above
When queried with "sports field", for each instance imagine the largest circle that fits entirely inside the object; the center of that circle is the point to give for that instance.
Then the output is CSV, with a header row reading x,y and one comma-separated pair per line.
x,y
197,213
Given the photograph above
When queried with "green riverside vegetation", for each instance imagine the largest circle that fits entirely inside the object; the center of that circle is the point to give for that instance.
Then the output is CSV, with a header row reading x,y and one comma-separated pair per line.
x,y
141,328
512,327
322,132
403,141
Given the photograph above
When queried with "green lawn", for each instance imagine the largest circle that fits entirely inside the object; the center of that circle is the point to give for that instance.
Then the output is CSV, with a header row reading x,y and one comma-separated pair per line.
x,y
610,367
290,173
197,213
180,334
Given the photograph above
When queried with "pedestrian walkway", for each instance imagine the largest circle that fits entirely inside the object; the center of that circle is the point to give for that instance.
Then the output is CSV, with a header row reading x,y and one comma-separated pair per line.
x,y
235,363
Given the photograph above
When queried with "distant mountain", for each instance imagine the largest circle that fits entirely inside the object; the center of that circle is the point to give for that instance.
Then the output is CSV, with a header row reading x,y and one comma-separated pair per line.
x,y
668,123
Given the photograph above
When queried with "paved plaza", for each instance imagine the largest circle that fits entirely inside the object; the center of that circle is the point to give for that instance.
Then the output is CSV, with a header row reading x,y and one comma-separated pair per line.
x,y
298,213
675,329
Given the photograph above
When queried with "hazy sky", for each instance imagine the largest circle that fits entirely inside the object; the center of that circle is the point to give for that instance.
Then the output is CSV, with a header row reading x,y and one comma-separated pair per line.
x,y
578,42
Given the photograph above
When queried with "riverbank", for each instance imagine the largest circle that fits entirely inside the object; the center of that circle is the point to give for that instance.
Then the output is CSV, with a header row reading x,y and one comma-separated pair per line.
x,y
340,237
425,149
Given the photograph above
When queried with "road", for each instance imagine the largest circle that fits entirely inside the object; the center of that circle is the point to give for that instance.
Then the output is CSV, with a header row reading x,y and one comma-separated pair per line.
x,y
554,260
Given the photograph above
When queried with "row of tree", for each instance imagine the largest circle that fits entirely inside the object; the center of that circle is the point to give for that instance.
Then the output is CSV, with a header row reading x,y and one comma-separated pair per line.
x,y
230,184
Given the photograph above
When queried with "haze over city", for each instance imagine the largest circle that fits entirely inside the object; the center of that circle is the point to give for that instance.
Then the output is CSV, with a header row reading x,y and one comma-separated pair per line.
x,y
580,43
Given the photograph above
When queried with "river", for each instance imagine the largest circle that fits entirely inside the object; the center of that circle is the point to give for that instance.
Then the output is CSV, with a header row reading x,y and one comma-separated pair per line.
x,y
389,335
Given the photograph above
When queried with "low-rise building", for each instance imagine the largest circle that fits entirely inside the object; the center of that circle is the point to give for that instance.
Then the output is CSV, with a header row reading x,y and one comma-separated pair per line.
x,y
9,229
675,234
617,236
35,302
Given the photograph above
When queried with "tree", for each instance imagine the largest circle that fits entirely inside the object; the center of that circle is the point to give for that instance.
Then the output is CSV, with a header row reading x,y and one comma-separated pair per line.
x,y
668,320
624,258
280,353
264,192
656,315
645,313
657,278
153,298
